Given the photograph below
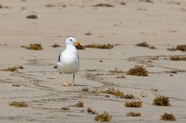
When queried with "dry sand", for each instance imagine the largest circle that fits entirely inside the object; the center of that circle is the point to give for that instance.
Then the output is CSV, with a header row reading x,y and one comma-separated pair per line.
x,y
160,23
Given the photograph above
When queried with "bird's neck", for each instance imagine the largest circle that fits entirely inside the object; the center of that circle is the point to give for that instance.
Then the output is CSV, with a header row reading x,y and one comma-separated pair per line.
x,y
71,47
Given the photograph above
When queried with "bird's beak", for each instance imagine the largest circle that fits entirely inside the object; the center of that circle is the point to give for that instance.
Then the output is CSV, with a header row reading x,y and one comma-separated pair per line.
x,y
78,43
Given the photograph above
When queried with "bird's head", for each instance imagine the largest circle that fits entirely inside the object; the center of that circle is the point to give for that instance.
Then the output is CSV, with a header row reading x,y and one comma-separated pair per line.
x,y
72,41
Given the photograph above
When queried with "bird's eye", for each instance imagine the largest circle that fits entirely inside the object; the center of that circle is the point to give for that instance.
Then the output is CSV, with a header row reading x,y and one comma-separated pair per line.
x,y
70,39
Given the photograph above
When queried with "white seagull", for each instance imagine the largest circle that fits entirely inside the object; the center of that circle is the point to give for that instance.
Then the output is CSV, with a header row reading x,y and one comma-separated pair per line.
x,y
68,61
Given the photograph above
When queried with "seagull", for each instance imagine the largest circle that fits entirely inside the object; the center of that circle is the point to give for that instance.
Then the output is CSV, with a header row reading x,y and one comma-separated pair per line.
x,y
68,60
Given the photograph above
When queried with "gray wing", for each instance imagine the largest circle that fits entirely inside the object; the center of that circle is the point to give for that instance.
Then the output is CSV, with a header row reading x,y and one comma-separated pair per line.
x,y
59,57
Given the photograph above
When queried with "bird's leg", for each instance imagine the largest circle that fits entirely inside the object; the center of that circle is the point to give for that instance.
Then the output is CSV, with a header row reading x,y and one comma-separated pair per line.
x,y
73,79
64,83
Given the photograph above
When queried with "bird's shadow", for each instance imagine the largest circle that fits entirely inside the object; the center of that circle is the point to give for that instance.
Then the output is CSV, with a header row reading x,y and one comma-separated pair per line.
x,y
80,85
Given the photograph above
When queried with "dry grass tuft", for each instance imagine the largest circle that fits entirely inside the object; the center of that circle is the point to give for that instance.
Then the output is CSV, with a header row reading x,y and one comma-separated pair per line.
x,y
34,47
80,47
178,47
31,17
116,70
134,114
85,89
80,104
100,46
177,58
168,117
137,71
90,111
103,5
56,45
136,104
161,101
18,104
65,108
104,117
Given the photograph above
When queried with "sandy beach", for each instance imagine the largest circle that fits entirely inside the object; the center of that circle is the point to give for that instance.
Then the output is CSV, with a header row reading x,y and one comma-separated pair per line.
x,y
124,24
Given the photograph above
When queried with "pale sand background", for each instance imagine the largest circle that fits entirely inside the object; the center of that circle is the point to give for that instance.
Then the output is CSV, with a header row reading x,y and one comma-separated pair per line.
x,y
161,24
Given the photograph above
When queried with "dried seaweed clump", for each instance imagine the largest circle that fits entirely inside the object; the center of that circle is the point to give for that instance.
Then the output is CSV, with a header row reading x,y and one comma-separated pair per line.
x,y
90,111
55,67
88,33
122,3
31,17
1,7
13,69
85,89
65,108
149,1
178,47
104,117
100,46
134,114
168,117
114,92
18,104
181,47
136,104
54,5
50,5
116,70
35,47
152,47
144,44
80,47
118,93
161,101
80,104
129,96
138,71
103,5
56,45
177,58
174,71
120,77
